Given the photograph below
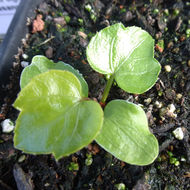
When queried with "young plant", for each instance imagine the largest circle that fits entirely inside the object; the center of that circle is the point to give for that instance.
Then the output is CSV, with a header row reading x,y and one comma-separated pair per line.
x,y
58,117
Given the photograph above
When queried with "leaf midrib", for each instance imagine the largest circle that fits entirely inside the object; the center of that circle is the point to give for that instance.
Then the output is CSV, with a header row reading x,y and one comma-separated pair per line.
x,y
133,49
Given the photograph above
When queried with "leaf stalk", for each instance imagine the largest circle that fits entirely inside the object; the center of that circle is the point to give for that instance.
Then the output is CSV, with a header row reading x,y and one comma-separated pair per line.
x,y
107,89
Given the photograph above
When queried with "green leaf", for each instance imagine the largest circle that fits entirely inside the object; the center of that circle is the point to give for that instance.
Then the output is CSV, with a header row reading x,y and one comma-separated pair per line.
x,y
55,116
126,53
42,64
126,135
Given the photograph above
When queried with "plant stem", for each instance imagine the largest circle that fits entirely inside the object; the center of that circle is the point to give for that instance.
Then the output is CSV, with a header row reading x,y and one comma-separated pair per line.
x,y
107,89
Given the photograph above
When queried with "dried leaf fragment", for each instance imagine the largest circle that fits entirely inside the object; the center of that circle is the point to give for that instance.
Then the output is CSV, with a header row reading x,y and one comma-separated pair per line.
x,y
38,24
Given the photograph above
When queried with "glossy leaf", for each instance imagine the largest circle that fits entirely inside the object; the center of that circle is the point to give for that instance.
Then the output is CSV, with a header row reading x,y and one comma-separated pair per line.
x,y
126,135
42,64
55,116
128,54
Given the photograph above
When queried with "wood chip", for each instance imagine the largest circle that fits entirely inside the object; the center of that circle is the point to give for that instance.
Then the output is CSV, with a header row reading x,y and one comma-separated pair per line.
x,y
82,34
23,181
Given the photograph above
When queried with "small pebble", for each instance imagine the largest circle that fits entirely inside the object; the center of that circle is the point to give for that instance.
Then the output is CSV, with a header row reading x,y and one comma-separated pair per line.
x,y
21,158
83,42
183,159
25,56
162,113
179,96
24,64
188,63
170,111
49,52
178,133
148,101
171,108
128,16
47,185
158,104
168,68
175,50
7,126
60,20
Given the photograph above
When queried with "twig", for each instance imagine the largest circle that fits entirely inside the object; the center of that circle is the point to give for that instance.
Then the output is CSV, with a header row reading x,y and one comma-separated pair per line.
x,y
46,41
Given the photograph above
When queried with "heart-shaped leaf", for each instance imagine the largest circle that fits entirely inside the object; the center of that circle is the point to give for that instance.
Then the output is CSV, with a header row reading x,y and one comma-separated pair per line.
x,y
126,53
42,64
126,135
55,116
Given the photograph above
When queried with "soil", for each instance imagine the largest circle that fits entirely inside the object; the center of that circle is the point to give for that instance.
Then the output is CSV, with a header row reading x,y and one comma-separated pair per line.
x,y
66,39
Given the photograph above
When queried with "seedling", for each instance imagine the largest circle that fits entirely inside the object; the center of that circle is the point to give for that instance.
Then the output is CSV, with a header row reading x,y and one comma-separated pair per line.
x,y
73,166
173,160
58,117
120,186
88,160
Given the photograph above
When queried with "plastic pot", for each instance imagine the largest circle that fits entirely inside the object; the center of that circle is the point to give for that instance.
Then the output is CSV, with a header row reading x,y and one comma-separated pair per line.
x,y
16,32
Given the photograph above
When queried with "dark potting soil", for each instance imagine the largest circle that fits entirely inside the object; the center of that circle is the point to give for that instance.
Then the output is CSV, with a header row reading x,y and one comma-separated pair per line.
x,y
66,39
